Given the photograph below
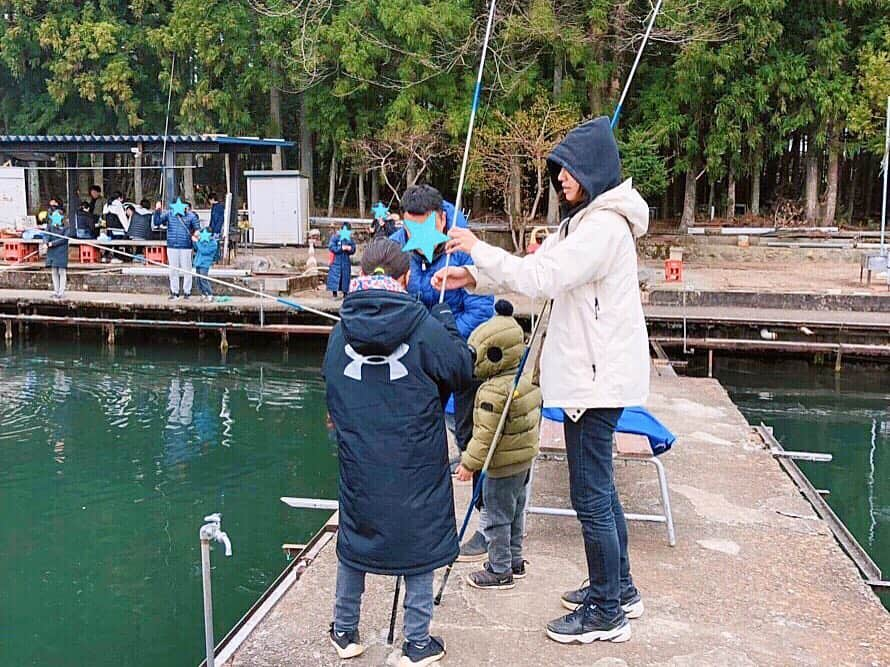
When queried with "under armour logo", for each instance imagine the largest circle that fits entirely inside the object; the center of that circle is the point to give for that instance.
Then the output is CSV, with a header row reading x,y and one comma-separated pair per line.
x,y
396,368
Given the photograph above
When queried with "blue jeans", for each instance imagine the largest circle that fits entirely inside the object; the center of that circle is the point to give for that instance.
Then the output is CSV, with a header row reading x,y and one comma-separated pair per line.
x,y
505,505
418,602
595,500
203,283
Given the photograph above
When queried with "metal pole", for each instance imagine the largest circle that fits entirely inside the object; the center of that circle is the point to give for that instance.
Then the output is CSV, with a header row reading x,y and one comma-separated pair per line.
x,y
463,167
208,601
886,169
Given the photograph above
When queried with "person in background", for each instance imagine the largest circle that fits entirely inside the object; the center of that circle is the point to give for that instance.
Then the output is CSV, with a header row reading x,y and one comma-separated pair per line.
x,y
342,247
85,222
180,232
470,310
138,222
217,215
384,225
57,249
205,255
113,212
395,488
96,201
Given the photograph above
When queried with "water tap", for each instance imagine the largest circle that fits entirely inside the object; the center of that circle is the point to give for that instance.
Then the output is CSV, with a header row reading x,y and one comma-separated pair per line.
x,y
210,531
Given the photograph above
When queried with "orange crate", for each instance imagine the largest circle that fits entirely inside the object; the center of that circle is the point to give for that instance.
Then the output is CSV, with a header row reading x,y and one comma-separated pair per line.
x,y
156,254
16,250
89,254
673,270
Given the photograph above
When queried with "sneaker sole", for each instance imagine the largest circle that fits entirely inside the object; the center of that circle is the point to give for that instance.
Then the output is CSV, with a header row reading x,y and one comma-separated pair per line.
x,y
351,651
632,611
493,587
617,635
405,661
520,576
472,558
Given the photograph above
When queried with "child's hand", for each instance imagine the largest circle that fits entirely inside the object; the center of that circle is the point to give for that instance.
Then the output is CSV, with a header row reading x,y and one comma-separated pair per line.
x,y
463,474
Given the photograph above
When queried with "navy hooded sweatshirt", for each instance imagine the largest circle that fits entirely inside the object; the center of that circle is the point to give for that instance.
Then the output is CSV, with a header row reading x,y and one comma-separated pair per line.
x,y
389,368
590,154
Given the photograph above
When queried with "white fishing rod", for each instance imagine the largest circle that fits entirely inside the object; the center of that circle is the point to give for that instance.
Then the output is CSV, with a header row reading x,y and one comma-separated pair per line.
x,y
257,293
463,167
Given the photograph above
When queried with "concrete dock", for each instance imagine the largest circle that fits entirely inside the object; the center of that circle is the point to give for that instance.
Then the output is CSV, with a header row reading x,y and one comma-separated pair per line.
x,y
756,578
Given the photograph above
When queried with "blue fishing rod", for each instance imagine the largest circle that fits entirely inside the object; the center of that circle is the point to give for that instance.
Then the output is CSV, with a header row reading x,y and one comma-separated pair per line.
x,y
477,487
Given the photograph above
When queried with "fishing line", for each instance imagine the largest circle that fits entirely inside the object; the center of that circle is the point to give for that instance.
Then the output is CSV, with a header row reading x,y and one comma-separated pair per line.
x,y
161,192
262,295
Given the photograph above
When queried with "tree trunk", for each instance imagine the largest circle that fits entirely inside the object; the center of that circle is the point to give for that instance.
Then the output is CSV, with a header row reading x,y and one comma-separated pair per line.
x,y
869,185
375,186
411,171
306,162
854,189
361,192
516,201
98,160
712,188
811,193
594,89
688,219
755,190
188,178
137,175
730,194
332,182
34,203
275,123
832,185
552,195
793,184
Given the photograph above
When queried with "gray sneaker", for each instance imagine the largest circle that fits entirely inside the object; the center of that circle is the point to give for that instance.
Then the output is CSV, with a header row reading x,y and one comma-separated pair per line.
x,y
473,550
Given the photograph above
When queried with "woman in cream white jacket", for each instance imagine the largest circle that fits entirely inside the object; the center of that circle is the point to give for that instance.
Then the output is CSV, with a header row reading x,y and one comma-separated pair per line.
x,y
595,359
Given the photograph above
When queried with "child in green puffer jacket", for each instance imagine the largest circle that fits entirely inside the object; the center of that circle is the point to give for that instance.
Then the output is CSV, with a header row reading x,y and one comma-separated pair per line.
x,y
499,344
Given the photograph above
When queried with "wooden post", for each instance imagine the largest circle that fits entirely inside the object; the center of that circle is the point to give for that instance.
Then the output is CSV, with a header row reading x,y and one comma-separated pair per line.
x,y
98,161
8,334
838,358
170,188
110,334
227,218
223,341
710,363
72,201
33,187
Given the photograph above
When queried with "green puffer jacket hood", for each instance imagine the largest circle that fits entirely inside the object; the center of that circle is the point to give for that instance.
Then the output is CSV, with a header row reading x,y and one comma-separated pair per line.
x,y
499,344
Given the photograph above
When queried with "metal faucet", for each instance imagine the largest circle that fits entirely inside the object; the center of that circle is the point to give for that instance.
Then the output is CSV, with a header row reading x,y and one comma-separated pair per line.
x,y
210,531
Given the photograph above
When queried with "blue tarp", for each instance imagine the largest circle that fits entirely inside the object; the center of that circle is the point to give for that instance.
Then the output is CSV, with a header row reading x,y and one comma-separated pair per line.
x,y
633,420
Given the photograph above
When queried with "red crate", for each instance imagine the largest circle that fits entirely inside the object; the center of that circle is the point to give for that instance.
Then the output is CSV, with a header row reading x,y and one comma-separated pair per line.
x,y
89,254
673,270
156,253
16,250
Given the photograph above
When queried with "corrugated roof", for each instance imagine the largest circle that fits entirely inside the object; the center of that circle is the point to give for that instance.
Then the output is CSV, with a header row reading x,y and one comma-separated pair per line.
x,y
140,138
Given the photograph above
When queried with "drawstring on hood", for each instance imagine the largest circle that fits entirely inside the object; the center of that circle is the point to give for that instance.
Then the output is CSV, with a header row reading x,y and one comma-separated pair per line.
x,y
590,154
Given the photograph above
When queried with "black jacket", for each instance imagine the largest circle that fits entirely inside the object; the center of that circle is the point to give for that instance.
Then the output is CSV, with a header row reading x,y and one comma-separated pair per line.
x,y
590,154
389,369
140,226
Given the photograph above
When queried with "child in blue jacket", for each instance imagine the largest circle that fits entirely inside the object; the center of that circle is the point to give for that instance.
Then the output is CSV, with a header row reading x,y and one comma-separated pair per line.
x,y
205,254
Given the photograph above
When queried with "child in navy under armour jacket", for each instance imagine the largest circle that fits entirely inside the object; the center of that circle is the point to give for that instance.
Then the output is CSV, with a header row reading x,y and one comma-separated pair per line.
x,y
389,368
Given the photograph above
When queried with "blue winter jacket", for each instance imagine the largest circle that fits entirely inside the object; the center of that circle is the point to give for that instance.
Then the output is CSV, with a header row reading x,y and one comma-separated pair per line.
x,y
389,366
217,217
179,228
340,270
205,253
470,310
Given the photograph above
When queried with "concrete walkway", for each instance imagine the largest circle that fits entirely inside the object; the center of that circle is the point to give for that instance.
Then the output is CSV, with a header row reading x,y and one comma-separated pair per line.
x,y
755,579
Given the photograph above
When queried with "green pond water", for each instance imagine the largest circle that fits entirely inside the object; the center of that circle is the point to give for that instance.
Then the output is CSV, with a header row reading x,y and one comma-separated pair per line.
x,y
846,415
109,460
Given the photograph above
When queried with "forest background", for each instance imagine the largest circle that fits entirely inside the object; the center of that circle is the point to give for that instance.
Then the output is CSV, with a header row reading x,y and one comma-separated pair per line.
x,y
744,107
